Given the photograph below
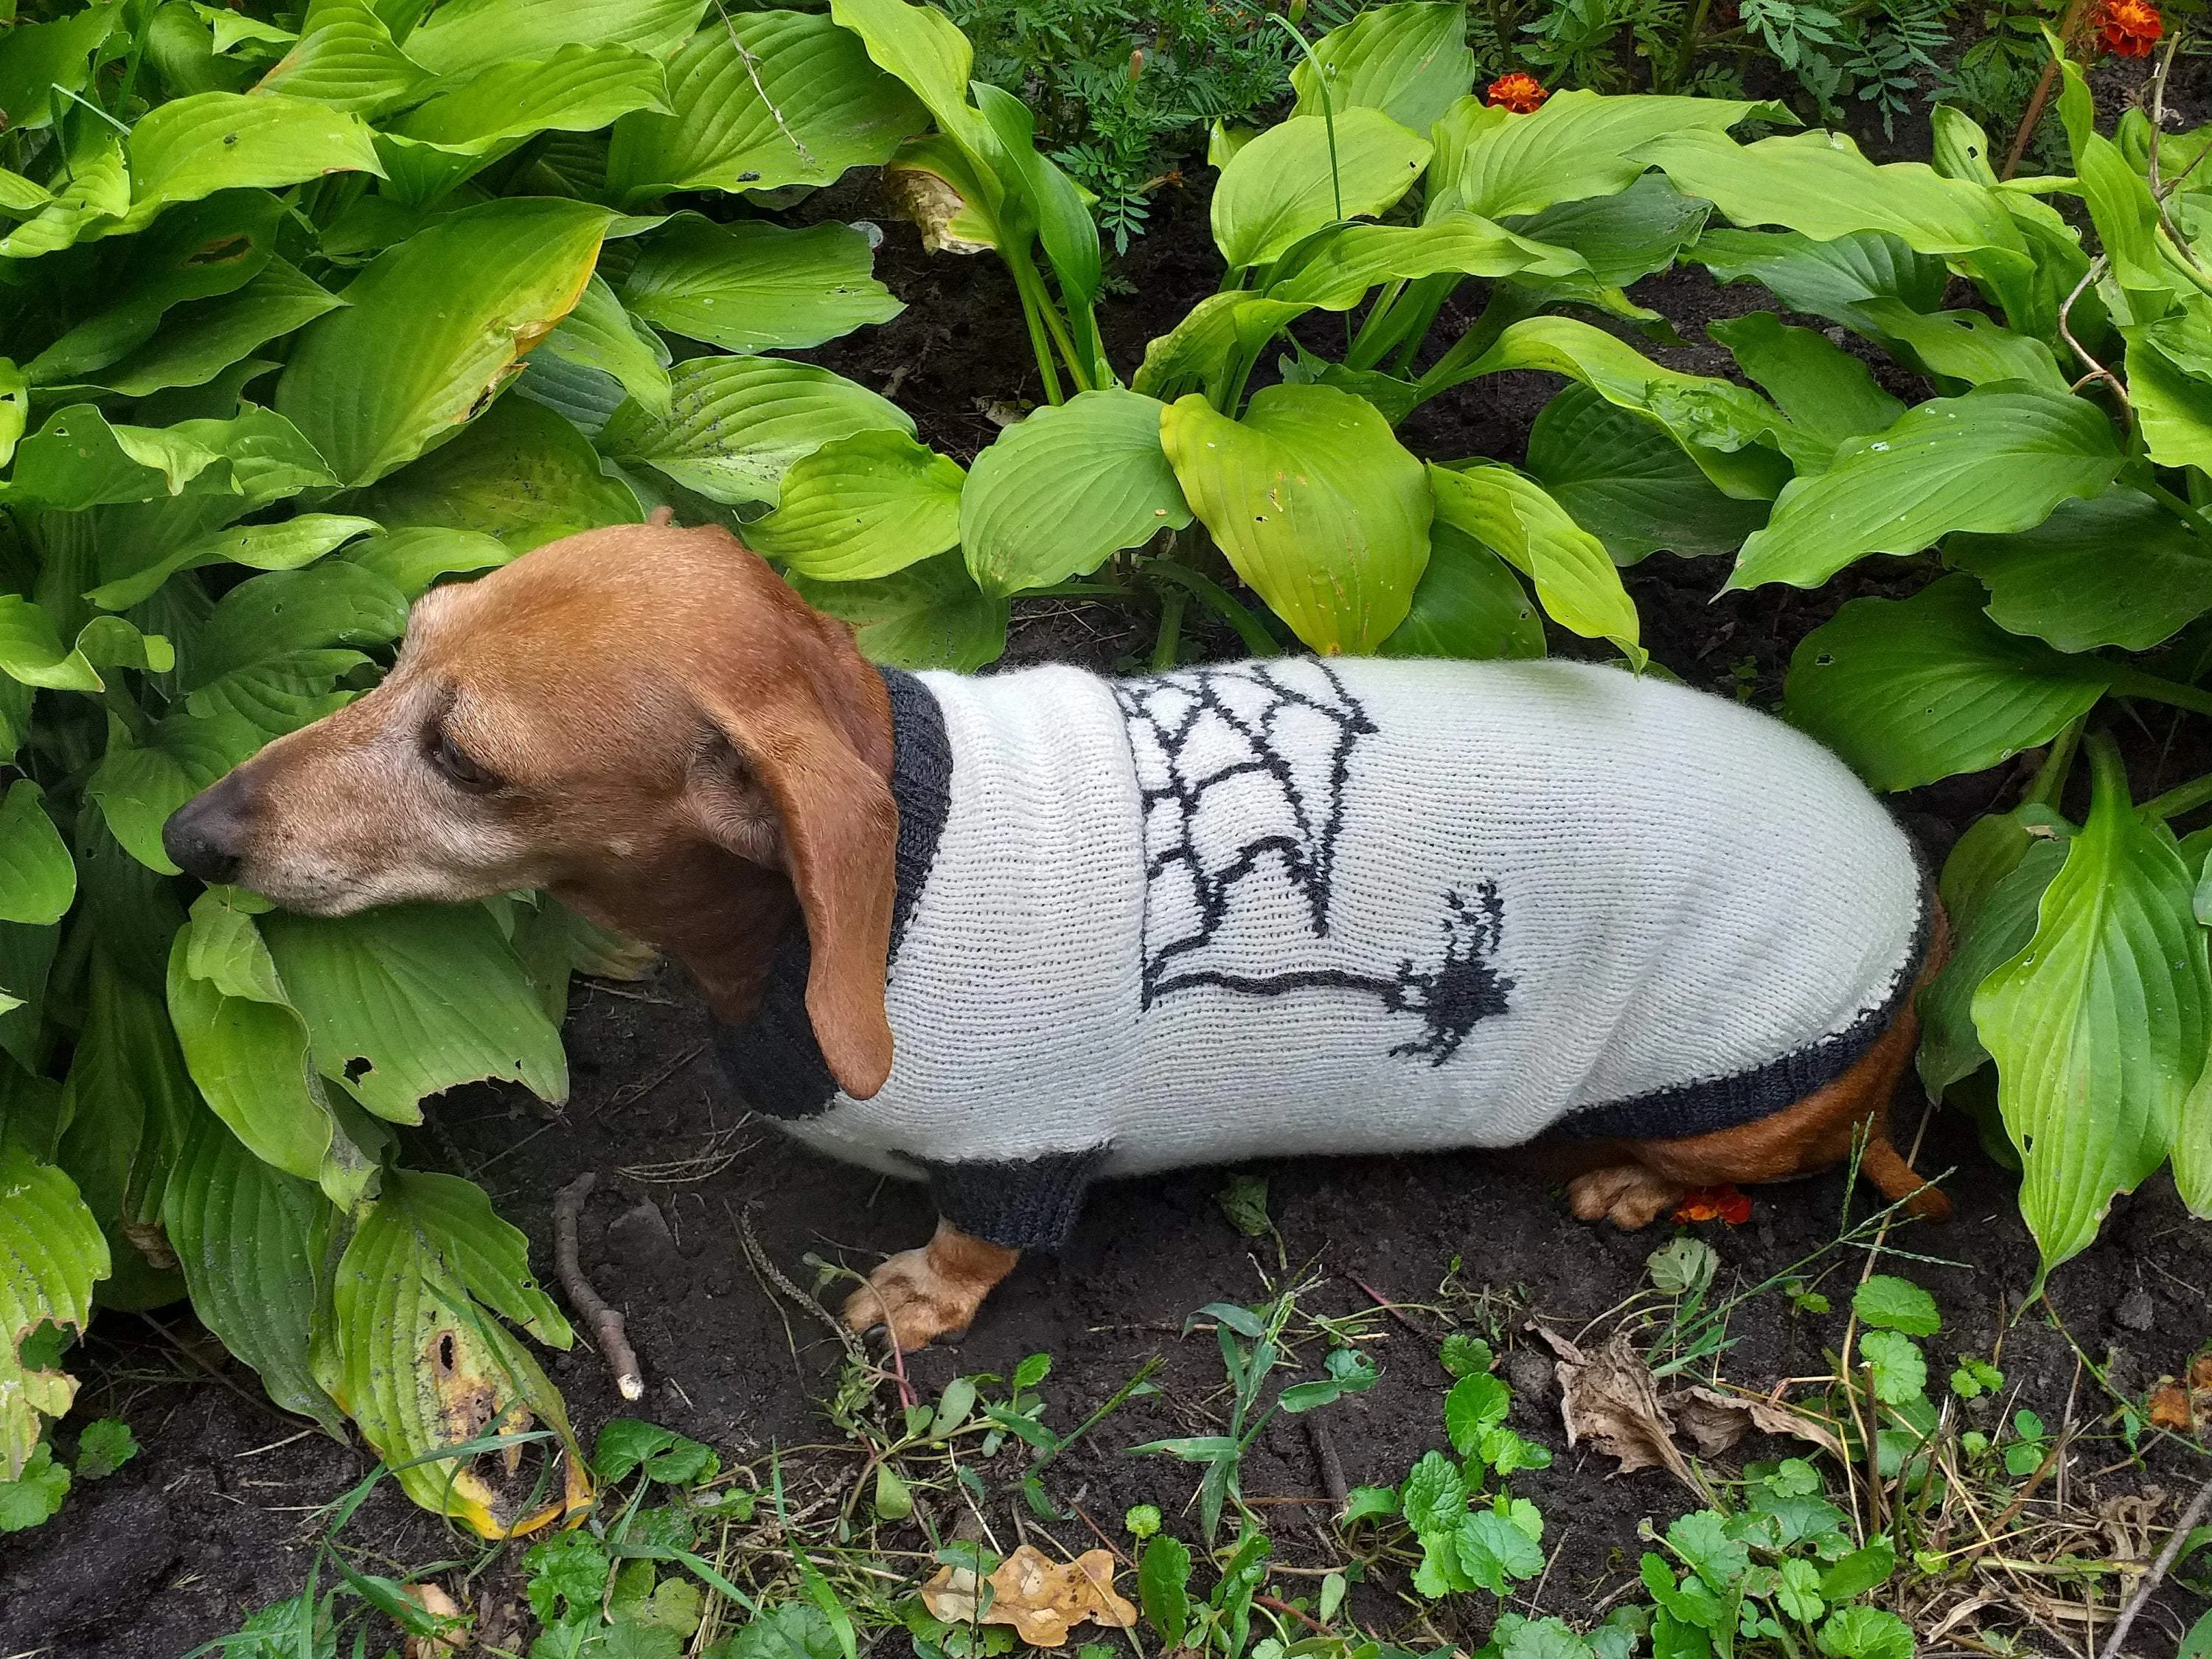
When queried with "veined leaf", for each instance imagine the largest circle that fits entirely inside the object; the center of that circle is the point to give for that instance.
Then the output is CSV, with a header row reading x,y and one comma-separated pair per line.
x,y
1315,503
37,58
1410,61
1575,578
420,1364
1997,930
926,51
753,286
2169,365
765,99
194,147
1579,143
1287,183
1912,690
1469,604
282,546
405,1001
346,59
1822,388
2099,1027
1622,237
736,424
862,506
1628,483
2115,569
38,878
930,615
246,1235
78,459
1197,348
519,472
1064,489
1991,461
92,203
2120,206
267,617
32,652
412,559
601,336
1966,345
198,341
435,327
51,1254
137,785
1723,426
457,132
466,35
1832,279
1339,272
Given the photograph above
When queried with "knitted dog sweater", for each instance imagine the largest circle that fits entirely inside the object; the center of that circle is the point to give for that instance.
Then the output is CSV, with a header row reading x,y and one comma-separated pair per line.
x,y
1356,906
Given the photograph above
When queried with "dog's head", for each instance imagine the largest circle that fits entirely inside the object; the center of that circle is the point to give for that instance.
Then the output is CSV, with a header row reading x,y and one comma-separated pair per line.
x,y
643,721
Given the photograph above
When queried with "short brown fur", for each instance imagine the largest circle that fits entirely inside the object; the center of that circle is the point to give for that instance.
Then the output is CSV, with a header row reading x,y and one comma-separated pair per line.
x,y
650,724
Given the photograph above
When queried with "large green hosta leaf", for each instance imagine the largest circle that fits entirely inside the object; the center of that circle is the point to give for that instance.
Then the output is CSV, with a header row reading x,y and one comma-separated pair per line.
x,y
1628,483
2169,364
416,1356
601,338
1061,490
42,64
1911,690
1992,462
736,424
1832,279
346,59
1341,271
140,781
194,147
457,133
199,340
762,100
1579,144
930,615
248,1237
38,878
433,328
753,286
2117,569
466,35
403,1002
79,459
1822,388
1289,181
519,472
1996,930
1317,505
862,506
51,1253
2099,1027
1410,61
281,546
1469,604
1575,578
91,203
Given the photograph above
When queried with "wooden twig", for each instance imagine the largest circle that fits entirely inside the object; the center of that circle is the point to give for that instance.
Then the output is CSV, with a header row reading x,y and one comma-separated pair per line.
x,y
2116,1647
605,1324
1332,1467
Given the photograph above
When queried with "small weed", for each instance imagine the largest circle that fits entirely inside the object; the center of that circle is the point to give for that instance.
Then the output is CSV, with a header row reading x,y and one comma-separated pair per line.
x,y
37,1495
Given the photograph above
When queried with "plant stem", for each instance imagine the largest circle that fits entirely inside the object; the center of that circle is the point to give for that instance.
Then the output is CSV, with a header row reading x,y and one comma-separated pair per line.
x,y
1170,636
2058,761
2132,682
1040,343
2069,21
1037,304
2193,517
1686,60
2182,797
1217,599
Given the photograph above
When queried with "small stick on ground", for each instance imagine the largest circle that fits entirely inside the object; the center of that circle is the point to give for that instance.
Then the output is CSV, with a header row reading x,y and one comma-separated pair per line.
x,y
2117,1647
1390,1308
605,1324
1332,1467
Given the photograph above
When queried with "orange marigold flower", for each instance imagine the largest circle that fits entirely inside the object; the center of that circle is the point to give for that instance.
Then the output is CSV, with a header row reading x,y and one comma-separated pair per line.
x,y
1714,1204
2129,27
1523,93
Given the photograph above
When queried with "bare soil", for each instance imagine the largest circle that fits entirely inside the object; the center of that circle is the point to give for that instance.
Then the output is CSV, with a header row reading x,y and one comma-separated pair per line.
x,y
217,1517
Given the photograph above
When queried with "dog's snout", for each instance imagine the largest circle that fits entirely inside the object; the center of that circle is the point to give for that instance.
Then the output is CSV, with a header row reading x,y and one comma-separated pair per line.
x,y
206,836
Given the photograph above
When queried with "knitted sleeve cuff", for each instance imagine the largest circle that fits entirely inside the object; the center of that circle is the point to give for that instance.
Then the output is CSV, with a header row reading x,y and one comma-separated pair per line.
x,y
1021,1204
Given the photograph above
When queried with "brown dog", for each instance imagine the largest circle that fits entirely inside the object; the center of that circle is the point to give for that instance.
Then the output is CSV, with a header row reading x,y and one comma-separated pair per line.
x,y
651,724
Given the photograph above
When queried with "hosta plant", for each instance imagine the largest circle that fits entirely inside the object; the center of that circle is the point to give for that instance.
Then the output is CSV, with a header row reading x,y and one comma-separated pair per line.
x,y
2049,482
304,309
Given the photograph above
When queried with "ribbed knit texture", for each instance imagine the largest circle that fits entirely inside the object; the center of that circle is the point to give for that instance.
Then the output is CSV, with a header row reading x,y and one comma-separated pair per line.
x,y
1366,906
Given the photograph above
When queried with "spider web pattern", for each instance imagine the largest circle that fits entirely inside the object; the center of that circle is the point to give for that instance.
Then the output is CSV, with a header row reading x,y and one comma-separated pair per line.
x,y
1241,772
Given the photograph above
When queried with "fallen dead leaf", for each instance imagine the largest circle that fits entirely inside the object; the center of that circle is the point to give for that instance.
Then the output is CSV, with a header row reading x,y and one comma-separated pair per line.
x,y
2169,1408
2200,1372
1716,1421
434,1601
1042,1600
1609,1398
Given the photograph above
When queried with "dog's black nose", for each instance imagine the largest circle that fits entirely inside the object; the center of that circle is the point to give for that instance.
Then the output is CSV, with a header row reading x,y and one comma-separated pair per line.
x,y
202,837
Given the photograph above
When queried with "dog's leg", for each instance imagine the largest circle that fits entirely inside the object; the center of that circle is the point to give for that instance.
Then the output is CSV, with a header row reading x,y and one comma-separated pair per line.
x,y
918,1296
1628,1194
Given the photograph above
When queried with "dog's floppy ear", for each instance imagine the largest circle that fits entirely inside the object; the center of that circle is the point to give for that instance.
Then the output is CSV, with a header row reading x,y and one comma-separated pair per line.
x,y
839,835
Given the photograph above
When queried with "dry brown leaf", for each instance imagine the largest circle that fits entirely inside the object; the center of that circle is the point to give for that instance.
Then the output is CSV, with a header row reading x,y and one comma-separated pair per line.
x,y
434,1601
1716,1421
2200,1373
2169,1408
1040,1598
1609,1398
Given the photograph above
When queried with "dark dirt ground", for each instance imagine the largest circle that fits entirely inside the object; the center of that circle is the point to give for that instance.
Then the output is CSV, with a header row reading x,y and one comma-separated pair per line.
x,y
216,1516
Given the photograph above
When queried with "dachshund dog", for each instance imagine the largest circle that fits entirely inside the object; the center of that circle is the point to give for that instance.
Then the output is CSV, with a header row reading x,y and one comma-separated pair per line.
x,y
1010,933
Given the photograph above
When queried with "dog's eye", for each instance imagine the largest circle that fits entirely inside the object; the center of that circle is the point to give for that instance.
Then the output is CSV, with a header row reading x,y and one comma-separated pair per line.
x,y
451,759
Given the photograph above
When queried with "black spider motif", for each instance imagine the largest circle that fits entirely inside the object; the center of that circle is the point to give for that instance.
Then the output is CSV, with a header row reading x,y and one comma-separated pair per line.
x,y
1464,987
1192,734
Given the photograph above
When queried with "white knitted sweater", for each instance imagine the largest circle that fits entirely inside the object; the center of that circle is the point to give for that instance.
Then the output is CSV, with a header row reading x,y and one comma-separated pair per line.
x,y
1364,906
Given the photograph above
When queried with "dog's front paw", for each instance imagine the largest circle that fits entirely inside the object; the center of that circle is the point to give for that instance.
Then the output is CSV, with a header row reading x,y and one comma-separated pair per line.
x,y
918,1296
1628,1194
